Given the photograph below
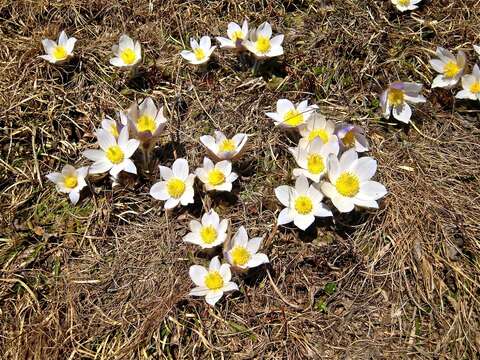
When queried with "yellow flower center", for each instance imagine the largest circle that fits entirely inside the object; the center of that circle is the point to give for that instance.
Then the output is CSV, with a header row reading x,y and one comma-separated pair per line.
x,y
213,280
199,53
114,130
70,181
315,163
227,145
293,117
303,205
175,187
208,234
404,2
475,87
451,69
146,123
321,133
128,56
349,139
396,97
216,177
115,154
237,35
240,255
263,44
348,184
59,53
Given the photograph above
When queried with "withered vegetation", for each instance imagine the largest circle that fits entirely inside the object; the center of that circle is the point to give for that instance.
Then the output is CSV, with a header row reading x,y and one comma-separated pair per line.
x,y
109,279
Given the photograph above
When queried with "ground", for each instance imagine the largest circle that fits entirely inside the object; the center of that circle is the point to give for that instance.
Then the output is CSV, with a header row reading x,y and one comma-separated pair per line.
x,y
108,278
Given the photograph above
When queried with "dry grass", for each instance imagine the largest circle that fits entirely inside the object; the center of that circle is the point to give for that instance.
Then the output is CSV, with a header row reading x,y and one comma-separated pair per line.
x,y
108,279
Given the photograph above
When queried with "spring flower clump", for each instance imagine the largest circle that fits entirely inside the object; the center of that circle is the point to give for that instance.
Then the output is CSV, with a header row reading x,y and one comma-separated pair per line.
x,y
243,253
396,99
58,51
406,5
449,67
217,176
208,233
114,154
177,185
200,52
289,115
236,36
471,85
127,53
70,181
261,44
222,148
213,282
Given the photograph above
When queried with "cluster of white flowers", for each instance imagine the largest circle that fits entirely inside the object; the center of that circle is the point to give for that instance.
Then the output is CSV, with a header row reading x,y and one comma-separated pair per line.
x,y
327,155
258,41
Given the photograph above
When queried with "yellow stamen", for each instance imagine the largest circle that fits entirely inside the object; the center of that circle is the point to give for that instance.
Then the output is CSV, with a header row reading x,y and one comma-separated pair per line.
x,y
213,280
404,2
70,181
216,177
115,154
237,35
475,87
208,234
175,187
396,97
451,69
240,255
199,53
321,133
315,163
349,139
263,44
114,130
227,145
293,118
128,56
303,205
146,123
347,184
59,53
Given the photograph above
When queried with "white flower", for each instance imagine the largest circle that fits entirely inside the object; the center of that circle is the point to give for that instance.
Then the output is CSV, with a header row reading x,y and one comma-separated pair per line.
x,y
349,182
243,253
471,85
57,52
212,283
209,233
236,35
222,148
291,116
449,67
404,5
200,52
146,122
261,43
303,203
70,181
127,52
312,159
351,136
316,126
113,126
397,97
477,49
177,187
114,155
217,176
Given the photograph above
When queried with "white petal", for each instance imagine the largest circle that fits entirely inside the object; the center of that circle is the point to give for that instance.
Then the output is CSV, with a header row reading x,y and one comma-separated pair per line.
x,y
365,168
105,139
230,286
256,260
322,211
328,189
165,172
74,196
171,203
214,264
225,272
241,237
371,190
348,159
224,166
100,167
343,204
211,218
116,61
205,43
129,166
199,291
285,217
159,191
254,244
283,106
402,113
213,296
437,65
197,274
180,168
284,194
301,185
303,221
